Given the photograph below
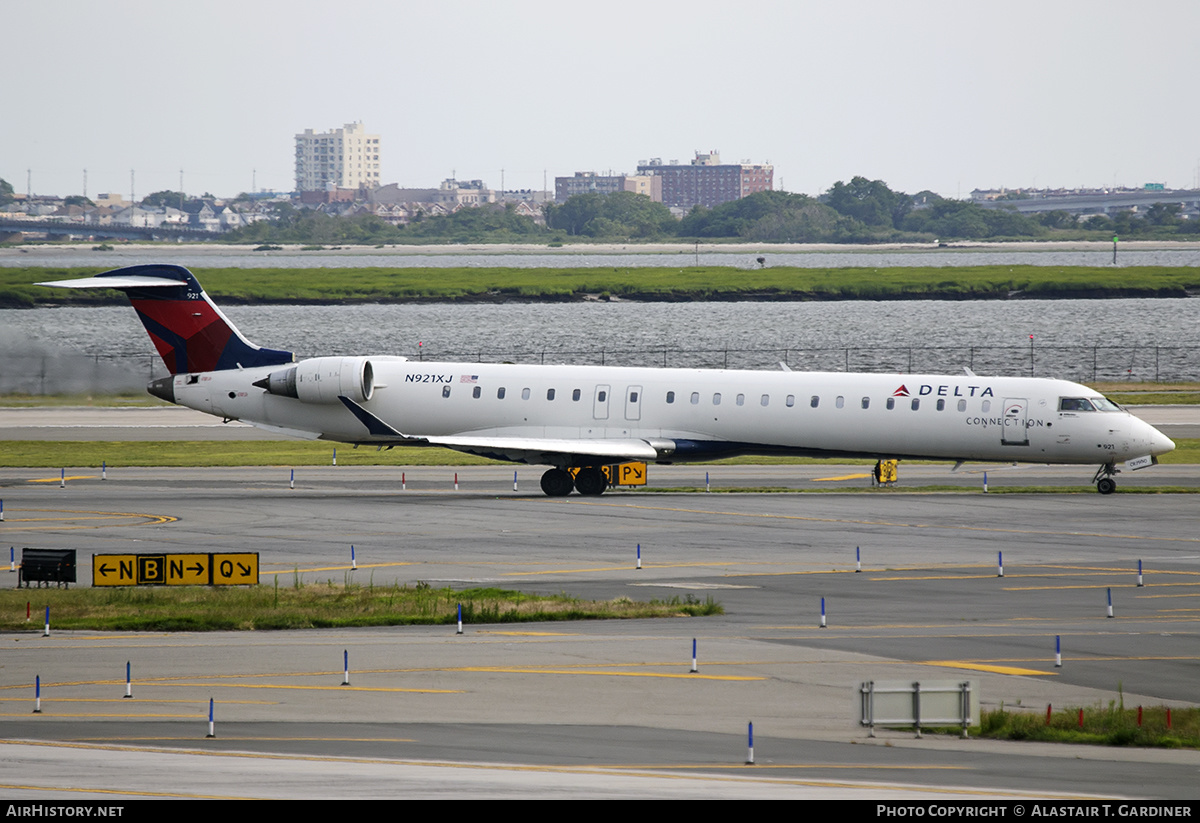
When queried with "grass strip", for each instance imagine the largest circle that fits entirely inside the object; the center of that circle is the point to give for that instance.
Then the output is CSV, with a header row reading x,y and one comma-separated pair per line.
x,y
293,603
55,454
1113,725
1150,398
381,284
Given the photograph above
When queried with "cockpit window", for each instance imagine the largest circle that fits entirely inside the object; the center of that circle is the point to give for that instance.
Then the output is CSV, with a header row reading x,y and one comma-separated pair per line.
x,y
1104,404
1075,404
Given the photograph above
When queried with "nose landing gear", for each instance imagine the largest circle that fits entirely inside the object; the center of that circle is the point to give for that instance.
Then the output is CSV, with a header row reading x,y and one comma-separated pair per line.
x,y
1105,484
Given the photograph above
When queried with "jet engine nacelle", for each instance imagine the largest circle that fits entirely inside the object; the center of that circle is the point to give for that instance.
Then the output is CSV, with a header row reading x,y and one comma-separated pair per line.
x,y
323,380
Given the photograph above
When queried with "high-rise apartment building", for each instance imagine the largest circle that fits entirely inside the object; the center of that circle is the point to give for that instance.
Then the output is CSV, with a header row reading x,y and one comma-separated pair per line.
x,y
346,158
706,182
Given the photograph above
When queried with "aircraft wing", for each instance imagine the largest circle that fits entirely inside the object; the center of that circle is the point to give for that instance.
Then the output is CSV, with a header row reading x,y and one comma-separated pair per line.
x,y
300,433
499,447
521,448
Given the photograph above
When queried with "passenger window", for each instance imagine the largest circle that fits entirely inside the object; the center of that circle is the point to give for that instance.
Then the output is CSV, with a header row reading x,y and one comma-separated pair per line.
x,y
866,402
500,393
941,405
916,403
695,398
575,395
717,399
766,398
633,397
962,405
524,394
891,403
601,396
549,394
791,400
670,397
741,399
839,402
987,406
816,401
475,392
445,391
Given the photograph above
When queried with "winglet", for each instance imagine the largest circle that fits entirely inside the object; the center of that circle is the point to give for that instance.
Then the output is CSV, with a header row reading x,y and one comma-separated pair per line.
x,y
374,425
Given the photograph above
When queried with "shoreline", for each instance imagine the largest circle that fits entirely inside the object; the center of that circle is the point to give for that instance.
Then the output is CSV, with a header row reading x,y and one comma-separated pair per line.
x,y
22,252
649,297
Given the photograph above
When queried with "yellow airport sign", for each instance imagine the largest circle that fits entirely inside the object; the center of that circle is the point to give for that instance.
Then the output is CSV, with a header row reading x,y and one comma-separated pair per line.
x,y
188,570
235,569
621,474
196,569
114,569
629,474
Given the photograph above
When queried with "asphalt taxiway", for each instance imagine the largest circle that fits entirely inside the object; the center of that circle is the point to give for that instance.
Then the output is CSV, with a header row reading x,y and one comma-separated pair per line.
x,y
606,709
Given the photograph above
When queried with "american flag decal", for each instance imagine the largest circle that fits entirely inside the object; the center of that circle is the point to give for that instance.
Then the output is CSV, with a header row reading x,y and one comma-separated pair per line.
x,y
469,378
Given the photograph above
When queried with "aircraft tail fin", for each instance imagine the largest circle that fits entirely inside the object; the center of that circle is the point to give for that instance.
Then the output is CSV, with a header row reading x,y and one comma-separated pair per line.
x,y
189,331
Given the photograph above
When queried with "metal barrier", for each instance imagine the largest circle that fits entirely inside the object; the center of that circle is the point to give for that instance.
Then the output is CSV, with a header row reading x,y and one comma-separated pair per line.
x,y
900,703
47,566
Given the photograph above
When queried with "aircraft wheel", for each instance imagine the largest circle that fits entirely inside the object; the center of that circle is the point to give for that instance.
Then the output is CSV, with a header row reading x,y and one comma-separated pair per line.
x,y
1106,485
591,481
557,483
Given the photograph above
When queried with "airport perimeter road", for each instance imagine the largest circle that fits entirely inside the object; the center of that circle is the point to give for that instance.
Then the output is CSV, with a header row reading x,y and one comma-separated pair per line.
x,y
609,708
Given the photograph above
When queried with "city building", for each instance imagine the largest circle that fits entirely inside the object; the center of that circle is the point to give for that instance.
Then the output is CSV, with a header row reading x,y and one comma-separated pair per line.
x,y
588,181
456,193
706,182
399,206
346,158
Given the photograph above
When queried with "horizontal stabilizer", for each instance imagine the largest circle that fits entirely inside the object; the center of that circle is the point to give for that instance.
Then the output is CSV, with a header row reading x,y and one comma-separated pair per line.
x,y
130,282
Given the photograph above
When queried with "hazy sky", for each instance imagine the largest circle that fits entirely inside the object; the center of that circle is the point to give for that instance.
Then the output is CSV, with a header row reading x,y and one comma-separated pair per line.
x,y
948,96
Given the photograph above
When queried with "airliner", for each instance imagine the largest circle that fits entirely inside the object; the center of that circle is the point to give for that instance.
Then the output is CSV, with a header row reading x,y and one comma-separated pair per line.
x,y
578,419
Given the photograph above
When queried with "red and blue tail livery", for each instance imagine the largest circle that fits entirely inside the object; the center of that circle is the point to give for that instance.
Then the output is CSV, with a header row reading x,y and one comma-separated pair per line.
x,y
189,331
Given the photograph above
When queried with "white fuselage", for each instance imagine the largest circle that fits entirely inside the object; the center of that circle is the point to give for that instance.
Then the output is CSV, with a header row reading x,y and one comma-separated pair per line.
x,y
688,414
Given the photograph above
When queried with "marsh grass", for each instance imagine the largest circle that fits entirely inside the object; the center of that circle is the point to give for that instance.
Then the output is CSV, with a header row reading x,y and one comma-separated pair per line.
x,y
303,604
1112,725
379,284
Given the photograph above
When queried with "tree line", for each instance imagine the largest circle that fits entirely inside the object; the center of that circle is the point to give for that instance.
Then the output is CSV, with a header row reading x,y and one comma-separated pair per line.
x,y
860,211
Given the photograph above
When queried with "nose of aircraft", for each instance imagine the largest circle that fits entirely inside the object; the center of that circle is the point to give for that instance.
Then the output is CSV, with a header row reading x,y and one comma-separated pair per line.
x,y
1160,443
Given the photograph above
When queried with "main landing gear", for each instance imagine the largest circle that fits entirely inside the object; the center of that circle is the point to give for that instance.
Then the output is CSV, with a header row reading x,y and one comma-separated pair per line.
x,y
558,482
1104,478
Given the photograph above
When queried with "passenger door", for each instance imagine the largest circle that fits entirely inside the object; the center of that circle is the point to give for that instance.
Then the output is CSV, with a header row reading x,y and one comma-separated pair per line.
x,y
1016,417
